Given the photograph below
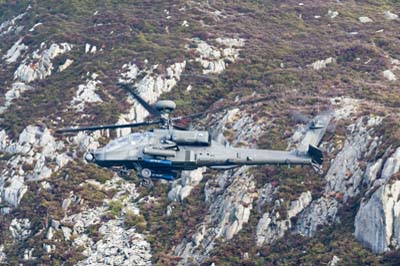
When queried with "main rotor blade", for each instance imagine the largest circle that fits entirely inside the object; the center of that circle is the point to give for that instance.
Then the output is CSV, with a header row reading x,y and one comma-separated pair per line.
x,y
227,106
92,128
195,115
145,104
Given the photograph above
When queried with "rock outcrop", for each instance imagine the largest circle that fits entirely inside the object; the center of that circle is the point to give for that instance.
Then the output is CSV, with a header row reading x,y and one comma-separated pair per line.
x,y
230,205
272,226
20,229
86,93
119,247
11,25
213,58
17,88
181,188
15,51
39,65
31,154
320,64
345,174
321,212
230,196
392,165
150,87
377,224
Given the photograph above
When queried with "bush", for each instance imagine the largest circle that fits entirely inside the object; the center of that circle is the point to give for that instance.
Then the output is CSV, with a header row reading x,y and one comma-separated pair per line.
x,y
138,221
115,207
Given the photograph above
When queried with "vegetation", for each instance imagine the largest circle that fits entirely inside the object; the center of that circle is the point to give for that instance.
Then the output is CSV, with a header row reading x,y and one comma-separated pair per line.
x,y
282,40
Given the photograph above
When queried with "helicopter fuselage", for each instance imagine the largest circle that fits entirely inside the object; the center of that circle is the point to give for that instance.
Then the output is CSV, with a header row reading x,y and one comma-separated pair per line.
x,y
163,152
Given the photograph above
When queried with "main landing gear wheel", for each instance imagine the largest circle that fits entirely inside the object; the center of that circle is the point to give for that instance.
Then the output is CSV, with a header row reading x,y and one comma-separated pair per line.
x,y
124,173
145,175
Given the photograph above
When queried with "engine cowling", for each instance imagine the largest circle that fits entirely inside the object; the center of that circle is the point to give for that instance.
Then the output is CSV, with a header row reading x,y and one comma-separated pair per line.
x,y
200,138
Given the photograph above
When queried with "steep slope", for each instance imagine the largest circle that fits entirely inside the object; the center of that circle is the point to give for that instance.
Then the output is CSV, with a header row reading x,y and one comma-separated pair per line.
x,y
61,61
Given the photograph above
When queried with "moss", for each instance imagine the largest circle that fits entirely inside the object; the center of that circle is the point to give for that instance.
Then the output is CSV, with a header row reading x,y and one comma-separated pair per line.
x,y
115,207
93,232
133,220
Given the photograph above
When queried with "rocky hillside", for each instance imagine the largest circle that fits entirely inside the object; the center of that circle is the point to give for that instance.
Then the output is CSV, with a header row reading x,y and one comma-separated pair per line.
x,y
60,62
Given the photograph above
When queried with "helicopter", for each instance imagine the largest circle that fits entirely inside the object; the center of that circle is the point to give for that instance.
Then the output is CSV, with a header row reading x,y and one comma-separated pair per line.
x,y
162,153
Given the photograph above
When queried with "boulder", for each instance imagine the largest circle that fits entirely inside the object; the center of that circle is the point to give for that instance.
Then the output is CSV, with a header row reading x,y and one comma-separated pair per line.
x,y
320,64
364,19
390,16
389,75
3,255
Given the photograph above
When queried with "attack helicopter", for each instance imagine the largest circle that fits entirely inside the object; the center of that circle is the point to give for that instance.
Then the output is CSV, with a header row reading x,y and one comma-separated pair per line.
x,y
162,153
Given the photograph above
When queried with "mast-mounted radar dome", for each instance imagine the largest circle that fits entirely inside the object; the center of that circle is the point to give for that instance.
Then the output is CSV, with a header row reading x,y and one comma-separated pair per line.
x,y
165,106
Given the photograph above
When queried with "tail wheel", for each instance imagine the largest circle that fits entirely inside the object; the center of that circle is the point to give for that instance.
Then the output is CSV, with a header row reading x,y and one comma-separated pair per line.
x,y
146,182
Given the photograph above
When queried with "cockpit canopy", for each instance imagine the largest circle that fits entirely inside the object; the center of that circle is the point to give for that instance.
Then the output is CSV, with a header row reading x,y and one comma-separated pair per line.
x,y
132,139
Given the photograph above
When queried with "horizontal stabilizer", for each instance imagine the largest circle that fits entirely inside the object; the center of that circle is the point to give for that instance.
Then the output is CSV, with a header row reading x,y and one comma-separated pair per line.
x,y
315,131
316,154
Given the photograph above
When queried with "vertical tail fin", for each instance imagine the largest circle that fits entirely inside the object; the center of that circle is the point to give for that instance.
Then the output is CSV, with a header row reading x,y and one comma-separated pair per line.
x,y
316,154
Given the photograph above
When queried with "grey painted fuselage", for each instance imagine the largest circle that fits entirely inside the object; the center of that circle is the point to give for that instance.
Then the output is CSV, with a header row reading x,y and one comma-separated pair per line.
x,y
168,150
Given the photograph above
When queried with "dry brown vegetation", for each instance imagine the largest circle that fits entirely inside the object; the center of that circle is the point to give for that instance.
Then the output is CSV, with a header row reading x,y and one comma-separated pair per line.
x,y
283,38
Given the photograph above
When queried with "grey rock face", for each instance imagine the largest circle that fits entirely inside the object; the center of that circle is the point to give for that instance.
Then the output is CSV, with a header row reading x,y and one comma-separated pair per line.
x,y
39,65
392,165
34,148
229,210
86,94
20,229
182,188
345,174
11,25
320,212
17,88
272,227
15,51
119,247
377,224
371,173
213,59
